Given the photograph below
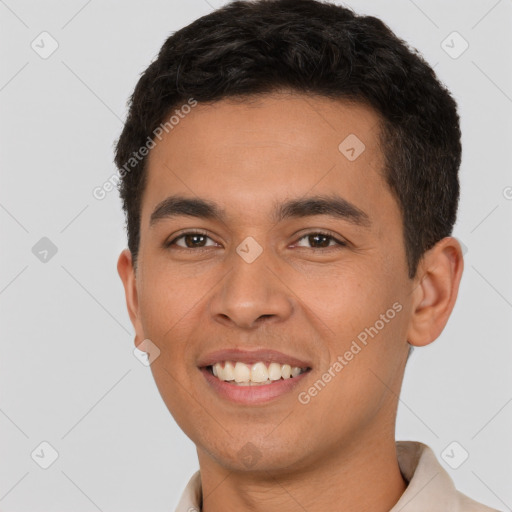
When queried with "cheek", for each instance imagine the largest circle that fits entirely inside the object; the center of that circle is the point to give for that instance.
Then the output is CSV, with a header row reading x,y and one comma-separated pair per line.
x,y
362,316
169,299
346,296
169,304
362,378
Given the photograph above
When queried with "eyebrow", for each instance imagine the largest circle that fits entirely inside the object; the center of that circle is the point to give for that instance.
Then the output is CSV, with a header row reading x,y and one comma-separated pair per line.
x,y
331,206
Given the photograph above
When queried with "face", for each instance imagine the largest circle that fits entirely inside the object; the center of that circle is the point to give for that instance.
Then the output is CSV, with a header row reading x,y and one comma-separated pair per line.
x,y
296,258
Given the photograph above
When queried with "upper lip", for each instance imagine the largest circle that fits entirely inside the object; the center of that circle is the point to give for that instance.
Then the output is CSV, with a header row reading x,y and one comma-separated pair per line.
x,y
251,357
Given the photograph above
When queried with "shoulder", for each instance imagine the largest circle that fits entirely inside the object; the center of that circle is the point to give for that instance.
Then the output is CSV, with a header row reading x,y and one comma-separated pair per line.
x,y
429,487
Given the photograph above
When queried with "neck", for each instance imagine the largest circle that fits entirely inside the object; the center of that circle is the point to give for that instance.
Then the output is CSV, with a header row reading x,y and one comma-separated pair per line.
x,y
364,476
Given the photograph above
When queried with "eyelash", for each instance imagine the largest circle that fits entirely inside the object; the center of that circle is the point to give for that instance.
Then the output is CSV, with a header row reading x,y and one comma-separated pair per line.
x,y
339,242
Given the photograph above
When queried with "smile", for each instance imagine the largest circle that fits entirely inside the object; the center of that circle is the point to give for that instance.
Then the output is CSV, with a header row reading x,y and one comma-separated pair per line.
x,y
257,374
252,377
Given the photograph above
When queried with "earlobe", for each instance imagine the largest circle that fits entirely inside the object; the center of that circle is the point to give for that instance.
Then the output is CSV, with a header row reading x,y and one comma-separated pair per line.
x,y
127,275
435,291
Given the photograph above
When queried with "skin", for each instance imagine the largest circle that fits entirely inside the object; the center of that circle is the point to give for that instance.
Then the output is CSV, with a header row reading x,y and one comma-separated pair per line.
x,y
311,303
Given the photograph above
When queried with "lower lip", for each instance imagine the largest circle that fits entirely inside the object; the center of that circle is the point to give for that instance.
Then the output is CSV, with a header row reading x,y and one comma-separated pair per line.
x,y
251,395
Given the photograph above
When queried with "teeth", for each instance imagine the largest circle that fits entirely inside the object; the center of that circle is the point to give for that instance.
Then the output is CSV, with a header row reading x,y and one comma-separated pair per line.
x,y
258,373
295,371
274,371
242,372
228,372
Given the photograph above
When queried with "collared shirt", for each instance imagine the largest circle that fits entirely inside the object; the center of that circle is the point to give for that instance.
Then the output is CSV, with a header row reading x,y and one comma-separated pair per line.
x,y
429,488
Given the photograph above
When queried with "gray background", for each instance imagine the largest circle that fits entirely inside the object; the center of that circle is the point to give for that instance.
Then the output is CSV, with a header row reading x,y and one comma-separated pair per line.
x,y
68,375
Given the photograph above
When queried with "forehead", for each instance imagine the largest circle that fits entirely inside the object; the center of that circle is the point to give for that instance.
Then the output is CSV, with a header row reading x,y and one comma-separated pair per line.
x,y
249,153
311,123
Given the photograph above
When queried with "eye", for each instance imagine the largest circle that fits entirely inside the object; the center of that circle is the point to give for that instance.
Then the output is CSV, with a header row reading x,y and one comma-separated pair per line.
x,y
191,240
321,240
198,240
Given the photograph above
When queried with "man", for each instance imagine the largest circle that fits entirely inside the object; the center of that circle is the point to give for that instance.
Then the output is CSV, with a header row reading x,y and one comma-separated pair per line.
x,y
289,177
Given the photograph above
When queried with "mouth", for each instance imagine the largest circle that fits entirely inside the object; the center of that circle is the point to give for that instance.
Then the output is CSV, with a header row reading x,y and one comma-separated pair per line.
x,y
260,373
252,377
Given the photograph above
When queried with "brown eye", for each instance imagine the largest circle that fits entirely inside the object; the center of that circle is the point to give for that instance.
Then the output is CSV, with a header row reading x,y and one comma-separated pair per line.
x,y
190,240
320,241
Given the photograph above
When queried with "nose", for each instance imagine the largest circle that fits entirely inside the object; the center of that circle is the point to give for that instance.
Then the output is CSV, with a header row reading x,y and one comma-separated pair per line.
x,y
252,294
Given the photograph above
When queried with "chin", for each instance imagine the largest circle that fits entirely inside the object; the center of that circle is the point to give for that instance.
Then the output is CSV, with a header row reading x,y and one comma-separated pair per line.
x,y
257,456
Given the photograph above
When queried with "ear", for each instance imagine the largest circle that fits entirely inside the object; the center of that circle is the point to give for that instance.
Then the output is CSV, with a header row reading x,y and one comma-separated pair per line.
x,y
435,290
127,274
